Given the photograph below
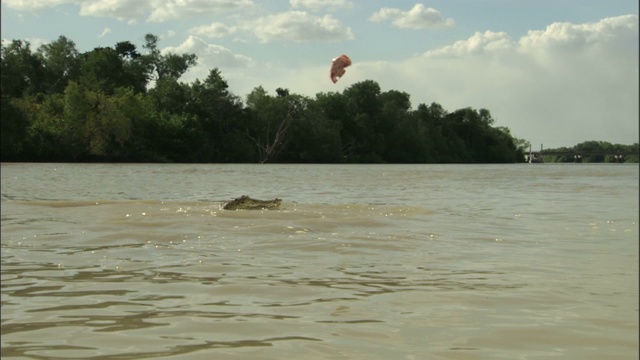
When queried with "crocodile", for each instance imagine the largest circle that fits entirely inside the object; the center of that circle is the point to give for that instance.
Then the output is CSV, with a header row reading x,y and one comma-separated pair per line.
x,y
247,203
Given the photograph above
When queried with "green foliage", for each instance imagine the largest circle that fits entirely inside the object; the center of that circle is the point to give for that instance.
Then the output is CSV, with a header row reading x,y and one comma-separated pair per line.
x,y
166,66
21,70
594,151
314,138
61,63
14,131
119,104
270,118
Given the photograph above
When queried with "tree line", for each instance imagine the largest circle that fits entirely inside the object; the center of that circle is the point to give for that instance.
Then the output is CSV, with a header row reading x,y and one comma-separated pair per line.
x,y
119,104
594,152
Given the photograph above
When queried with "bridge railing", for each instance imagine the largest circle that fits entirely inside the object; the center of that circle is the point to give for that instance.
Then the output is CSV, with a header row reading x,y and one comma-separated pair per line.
x,y
578,156
584,153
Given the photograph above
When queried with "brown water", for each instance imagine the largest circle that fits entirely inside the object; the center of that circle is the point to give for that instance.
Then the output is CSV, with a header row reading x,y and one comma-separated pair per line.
x,y
529,261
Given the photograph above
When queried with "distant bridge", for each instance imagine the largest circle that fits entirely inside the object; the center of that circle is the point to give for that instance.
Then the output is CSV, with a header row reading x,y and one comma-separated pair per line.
x,y
537,156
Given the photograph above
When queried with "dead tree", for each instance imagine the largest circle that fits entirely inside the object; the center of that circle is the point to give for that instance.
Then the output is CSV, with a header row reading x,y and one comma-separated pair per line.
x,y
273,146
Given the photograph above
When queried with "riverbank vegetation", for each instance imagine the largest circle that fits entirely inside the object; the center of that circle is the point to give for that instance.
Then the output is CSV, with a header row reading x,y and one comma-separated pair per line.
x,y
119,104
593,152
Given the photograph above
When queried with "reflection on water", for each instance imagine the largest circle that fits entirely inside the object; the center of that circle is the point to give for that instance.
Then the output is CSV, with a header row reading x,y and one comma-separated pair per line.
x,y
423,262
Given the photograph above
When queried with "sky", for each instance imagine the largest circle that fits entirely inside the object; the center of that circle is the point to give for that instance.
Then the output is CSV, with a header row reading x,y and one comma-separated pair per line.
x,y
555,72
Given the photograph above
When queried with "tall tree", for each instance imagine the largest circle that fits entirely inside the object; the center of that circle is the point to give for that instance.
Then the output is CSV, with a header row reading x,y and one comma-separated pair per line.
x,y
335,108
137,71
61,62
219,112
314,137
102,70
169,65
270,119
20,75
22,71
394,112
365,106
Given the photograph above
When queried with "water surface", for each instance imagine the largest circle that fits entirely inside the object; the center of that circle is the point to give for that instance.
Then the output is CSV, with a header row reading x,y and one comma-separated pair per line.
x,y
113,261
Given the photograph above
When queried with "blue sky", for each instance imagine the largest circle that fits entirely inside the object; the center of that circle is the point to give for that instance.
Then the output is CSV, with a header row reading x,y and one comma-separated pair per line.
x,y
556,72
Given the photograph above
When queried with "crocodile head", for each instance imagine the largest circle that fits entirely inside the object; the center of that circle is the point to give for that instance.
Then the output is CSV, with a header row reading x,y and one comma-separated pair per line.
x,y
247,203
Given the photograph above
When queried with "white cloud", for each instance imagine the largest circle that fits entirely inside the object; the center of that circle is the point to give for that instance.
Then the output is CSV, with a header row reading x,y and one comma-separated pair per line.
x,y
165,10
300,26
214,30
210,55
234,68
35,4
579,79
117,9
565,37
478,43
34,43
419,17
133,10
104,32
321,4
